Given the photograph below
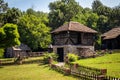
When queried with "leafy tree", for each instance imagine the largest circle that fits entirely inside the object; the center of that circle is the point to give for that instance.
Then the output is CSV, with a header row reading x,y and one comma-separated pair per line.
x,y
102,24
34,32
104,10
114,18
98,42
9,36
96,4
62,11
43,16
31,11
82,18
92,20
12,15
87,17
3,6
1,53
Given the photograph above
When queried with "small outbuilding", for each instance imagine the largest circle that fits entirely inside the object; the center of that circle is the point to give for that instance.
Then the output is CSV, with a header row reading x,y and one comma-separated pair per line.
x,y
22,50
73,37
111,39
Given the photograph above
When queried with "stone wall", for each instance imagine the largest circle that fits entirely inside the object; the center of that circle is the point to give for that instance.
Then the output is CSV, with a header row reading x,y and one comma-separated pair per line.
x,y
76,49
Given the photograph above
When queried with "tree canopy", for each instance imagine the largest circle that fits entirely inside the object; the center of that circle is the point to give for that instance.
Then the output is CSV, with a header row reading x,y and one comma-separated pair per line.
x,y
12,15
36,33
3,6
62,11
9,36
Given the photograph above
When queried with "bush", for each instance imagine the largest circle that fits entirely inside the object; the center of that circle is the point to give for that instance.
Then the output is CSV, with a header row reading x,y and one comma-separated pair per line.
x,y
47,56
72,57
1,53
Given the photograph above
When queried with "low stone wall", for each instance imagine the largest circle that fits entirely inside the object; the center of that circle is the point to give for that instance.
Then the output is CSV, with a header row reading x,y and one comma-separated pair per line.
x,y
64,70
77,49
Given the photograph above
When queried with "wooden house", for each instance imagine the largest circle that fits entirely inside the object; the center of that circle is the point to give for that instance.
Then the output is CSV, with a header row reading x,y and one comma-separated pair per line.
x,y
111,39
73,37
22,50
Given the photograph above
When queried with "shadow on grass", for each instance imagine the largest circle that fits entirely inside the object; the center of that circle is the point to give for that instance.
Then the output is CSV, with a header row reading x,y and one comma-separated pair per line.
x,y
1,66
51,69
64,74
44,65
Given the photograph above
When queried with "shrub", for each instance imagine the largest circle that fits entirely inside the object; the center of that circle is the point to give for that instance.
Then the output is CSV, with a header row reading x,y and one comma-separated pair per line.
x,y
1,53
47,56
72,57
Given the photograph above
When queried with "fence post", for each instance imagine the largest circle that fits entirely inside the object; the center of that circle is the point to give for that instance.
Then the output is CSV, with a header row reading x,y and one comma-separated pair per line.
x,y
103,73
76,66
50,61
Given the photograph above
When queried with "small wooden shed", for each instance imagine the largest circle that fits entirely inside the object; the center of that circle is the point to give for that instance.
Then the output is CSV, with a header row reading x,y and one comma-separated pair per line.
x,y
73,37
111,39
22,50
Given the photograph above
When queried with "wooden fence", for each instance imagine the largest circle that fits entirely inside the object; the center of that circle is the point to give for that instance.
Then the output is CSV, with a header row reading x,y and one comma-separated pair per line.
x,y
88,73
111,78
85,73
36,54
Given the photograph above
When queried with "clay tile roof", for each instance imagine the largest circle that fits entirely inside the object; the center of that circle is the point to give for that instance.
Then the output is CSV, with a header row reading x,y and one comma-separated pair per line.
x,y
113,33
21,47
74,26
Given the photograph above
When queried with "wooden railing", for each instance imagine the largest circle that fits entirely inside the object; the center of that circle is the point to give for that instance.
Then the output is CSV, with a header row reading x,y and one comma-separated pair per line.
x,y
36,54
111,78
84,73
87,72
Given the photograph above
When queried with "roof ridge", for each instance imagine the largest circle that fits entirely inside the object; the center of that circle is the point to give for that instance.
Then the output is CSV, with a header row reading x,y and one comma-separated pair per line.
x,y
69,25
74,26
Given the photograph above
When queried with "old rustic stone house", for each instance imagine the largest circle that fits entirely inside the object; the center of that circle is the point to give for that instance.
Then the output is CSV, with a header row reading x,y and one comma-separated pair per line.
x,y
22,50
73,37
111,39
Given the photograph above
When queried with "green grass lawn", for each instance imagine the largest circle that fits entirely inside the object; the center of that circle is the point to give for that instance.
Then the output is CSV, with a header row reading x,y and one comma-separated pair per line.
x,y
31,72
111,62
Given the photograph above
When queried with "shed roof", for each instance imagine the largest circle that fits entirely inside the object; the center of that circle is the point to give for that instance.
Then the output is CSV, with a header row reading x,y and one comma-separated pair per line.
x,y
113,33
74,26
22,47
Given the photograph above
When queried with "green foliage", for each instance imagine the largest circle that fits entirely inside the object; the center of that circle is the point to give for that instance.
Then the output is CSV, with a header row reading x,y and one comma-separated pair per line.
x,y
12,15
96,4
36,33
62,11
72,57
104,10
88,18
2,34
115,17
9,36
108,17
43,16
98,42
1,53
92,20
3,6
3,9
47,56
102,24
82,16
